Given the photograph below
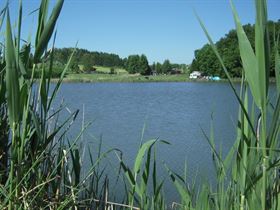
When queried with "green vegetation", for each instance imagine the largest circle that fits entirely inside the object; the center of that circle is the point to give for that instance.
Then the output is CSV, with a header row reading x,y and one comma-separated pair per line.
x,y
247,176
85,61
138,64
205,59
41,168
87,58
108,70
124,78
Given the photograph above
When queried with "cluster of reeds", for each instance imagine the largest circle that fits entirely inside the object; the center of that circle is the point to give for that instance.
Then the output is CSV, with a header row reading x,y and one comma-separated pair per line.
x,y
40,168
248,177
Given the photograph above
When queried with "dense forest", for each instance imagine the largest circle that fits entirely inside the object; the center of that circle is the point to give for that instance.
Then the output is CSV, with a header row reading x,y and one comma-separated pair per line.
x,y
206,61
87,58
133,63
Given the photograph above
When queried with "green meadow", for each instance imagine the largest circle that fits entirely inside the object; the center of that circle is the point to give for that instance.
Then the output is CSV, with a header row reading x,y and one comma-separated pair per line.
x,y
124,77
107,70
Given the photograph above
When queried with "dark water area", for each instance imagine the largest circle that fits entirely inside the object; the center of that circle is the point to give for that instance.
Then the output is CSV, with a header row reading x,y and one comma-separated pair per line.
x,y
175,112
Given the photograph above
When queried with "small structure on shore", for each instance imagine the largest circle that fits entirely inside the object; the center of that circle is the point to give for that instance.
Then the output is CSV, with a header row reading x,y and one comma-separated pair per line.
x,y
195,75
175,71
154,72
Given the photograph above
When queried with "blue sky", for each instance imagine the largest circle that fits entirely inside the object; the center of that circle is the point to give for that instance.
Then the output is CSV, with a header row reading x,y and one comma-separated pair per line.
x,y
160,29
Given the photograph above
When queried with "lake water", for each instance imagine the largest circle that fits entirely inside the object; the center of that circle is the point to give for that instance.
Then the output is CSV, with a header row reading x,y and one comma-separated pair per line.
x,y
176,112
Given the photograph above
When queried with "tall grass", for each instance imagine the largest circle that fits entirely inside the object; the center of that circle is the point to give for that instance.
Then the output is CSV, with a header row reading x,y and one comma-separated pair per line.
x,y
40,168
248,176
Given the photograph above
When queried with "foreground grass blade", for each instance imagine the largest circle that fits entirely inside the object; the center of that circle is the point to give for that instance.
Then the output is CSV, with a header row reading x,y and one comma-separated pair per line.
x,y
262,47
277,67
140,155
249,59
226,72
47,32
11,76
182,190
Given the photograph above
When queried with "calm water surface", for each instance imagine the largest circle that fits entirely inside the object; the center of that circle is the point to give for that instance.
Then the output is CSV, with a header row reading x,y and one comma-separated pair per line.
x,y
176,112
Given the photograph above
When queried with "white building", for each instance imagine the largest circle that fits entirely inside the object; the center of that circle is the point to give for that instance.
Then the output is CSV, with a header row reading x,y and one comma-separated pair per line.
x,y
195,75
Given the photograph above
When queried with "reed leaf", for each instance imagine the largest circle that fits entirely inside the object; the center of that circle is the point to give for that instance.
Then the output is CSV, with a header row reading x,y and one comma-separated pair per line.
x,y
140,155
277,67
12,82
249,60
214,48
75,156
262,48
182,190
274,128
46,31
19,33
42,18
59,82
3,14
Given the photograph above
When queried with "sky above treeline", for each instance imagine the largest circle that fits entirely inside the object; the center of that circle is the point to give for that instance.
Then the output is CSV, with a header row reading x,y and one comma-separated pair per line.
x,y
160,29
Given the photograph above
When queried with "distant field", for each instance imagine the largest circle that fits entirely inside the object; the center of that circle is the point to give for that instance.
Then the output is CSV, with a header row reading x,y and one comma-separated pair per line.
x,y
125,78
103,69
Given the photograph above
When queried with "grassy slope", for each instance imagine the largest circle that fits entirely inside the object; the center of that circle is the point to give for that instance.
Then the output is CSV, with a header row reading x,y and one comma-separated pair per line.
x,y
103,69
121,75
136,78
124,78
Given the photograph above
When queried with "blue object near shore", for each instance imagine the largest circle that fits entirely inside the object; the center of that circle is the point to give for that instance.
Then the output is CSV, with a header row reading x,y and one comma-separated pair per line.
x,y
216,78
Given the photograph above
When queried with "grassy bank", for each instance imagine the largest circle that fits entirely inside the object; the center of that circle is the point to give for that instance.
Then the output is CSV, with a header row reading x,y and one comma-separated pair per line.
x,y
127,78
124,78
107,70
136,78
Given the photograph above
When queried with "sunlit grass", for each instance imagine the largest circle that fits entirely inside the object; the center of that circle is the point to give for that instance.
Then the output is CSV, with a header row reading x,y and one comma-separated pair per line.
x,y
107,70
124,78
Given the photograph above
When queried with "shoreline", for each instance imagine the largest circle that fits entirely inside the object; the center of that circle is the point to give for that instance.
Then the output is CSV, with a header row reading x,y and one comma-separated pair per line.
x,y
65,80
106,78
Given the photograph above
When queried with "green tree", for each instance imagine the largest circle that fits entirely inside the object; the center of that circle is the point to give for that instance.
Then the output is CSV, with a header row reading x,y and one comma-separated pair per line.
x,y
158,68
86,61
206,62
166,66
132,64
96,58
143,65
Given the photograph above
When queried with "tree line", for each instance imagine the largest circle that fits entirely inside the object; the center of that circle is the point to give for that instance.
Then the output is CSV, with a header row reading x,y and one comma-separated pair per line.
x,y
206,62
133,63
87,58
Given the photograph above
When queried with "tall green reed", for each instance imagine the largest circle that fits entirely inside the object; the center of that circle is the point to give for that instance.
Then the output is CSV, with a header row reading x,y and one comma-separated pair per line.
x,y
138,179
248,176
39,166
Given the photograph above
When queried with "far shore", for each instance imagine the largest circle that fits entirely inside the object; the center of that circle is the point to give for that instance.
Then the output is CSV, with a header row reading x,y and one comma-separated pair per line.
x,y
126,78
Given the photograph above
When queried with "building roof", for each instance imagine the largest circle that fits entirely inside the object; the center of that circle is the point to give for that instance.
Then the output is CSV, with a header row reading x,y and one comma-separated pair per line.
x,y
196,73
